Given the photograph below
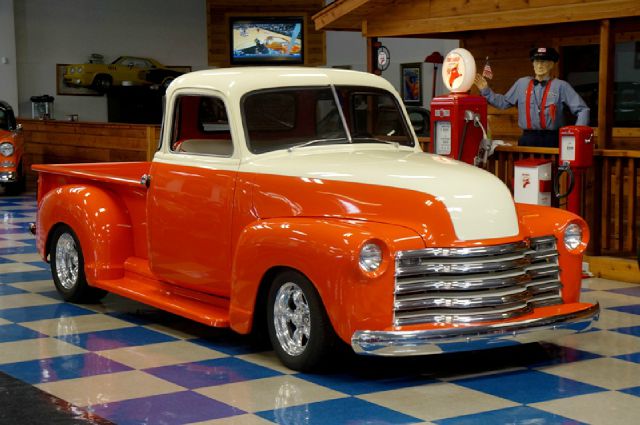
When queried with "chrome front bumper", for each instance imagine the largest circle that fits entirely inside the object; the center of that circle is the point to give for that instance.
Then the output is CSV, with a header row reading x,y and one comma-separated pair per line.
x,y
8,176
416,343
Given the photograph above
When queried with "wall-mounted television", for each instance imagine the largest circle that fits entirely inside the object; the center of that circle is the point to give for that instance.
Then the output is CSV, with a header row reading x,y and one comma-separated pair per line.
x,y
267,40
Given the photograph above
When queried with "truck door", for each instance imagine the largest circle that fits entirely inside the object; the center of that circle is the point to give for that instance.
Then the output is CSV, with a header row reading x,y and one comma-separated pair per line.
x,y
190,199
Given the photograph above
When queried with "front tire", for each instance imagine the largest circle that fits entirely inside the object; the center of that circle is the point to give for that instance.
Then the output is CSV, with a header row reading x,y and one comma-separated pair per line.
x,y
299,328
67,268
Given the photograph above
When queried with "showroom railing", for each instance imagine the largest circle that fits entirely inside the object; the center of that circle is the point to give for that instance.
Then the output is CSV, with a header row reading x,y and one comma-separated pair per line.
x,y
611,195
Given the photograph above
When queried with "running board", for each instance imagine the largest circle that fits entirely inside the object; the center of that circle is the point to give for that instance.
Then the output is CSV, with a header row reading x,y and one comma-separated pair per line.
x,y
138,284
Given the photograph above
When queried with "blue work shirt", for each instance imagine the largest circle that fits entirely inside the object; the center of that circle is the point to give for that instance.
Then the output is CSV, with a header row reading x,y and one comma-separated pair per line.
x,y
560,93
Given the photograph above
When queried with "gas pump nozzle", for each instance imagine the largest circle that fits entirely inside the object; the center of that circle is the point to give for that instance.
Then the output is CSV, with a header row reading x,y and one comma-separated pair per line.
x,y
485,149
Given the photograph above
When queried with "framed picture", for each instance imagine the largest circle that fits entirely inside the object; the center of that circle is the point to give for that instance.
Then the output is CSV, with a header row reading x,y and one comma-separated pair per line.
x,y
411,82
64,90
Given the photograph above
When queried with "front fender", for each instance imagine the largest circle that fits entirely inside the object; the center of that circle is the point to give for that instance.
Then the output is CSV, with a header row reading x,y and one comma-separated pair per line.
x,y
326,251
99,219
539,220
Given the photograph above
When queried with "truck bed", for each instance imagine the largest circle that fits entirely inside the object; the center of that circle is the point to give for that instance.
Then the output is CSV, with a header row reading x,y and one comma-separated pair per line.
x,y
126,173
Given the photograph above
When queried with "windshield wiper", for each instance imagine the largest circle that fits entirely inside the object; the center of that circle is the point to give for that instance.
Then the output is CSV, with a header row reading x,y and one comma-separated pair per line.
x,y
316,141
375,140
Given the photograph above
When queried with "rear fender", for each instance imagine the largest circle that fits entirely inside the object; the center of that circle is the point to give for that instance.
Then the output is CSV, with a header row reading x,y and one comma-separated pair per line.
x,y
326,251
100,221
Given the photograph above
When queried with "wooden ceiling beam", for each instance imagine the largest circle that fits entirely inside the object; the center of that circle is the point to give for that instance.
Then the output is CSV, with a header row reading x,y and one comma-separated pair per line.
x,y
389,26
336,10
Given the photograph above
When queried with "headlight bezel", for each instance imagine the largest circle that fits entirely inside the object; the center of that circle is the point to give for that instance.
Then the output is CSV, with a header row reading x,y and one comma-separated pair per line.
x,y
7,147
370,257
573,237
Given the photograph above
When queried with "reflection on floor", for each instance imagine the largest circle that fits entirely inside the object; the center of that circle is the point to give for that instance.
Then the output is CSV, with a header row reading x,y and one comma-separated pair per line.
x,y
125,363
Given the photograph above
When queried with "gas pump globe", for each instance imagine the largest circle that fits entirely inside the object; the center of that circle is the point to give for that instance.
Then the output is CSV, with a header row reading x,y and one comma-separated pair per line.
x,y
459,120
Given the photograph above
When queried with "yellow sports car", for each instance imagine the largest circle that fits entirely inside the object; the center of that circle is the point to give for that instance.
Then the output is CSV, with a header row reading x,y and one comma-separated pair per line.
x,y
132,70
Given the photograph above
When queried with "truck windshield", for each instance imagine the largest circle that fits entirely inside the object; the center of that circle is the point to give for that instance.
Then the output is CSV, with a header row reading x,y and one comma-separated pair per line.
x,y
296,117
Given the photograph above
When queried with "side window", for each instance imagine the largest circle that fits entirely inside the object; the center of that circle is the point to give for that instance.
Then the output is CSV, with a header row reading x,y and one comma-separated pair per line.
x,y
4,122
200,126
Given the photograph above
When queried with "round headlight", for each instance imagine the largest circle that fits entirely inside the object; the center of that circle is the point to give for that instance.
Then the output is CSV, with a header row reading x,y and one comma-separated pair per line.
x,y
80,69
71,70
370,257
6,149
572,236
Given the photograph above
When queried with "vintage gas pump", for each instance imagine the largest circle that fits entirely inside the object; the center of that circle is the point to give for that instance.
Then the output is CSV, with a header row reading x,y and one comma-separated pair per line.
x,y
459,120
576,155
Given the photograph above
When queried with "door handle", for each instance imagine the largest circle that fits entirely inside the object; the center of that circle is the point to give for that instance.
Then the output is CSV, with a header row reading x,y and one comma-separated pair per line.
x,y
145,180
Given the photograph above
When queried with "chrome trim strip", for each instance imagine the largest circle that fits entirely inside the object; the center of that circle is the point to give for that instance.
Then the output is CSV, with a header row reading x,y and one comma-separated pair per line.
x,y
462,299
457,267
480,251
414,343
453,315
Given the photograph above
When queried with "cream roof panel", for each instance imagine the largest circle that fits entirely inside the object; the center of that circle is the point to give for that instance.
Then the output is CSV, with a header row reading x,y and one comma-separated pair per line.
x,y
235,82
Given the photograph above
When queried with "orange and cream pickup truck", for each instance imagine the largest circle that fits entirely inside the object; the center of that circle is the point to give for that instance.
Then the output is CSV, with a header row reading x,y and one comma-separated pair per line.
x,y
296,202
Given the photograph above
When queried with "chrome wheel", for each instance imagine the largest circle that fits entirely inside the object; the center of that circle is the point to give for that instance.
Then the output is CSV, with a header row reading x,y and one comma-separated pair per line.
x,y
67,261
292,319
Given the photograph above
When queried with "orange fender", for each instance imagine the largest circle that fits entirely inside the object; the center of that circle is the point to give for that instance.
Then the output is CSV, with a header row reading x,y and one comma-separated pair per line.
x,y
326,251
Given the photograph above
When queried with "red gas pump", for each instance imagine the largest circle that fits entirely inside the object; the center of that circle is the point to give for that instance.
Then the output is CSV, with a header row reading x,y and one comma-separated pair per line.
x,y
458,120
576,155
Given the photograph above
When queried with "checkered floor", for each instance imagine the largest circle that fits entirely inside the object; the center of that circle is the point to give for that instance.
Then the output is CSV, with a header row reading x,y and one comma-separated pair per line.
x,y
126,363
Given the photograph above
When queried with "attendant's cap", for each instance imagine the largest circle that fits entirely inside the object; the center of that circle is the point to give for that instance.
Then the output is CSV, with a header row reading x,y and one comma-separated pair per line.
x,y
544,54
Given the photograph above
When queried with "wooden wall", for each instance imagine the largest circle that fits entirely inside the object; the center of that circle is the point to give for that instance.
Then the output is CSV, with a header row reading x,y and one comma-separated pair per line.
x,y
218,12
508,52
53,142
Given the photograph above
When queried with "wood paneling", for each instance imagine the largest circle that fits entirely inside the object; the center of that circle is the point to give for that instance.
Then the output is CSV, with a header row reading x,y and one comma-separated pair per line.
x,y
218,33
51,142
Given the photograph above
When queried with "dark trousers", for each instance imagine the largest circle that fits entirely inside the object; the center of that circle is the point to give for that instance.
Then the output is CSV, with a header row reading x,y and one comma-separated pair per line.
x,y
539,138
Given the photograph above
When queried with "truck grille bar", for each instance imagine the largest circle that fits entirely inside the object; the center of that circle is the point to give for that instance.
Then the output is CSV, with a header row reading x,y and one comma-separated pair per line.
x,y
467,285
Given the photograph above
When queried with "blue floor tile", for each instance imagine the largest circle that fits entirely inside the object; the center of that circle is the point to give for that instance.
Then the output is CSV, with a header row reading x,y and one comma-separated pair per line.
x,y
353,384
9,290
9,333
169,409
521,415
52,294
212,372
633,391
562,355
42,312
633,309
344,411
632,357
633,291
632,330
64,367
25,276
18,250
116,338
528,386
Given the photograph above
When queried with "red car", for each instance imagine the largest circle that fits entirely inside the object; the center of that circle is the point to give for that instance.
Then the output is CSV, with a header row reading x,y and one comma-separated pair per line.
x,y
12,172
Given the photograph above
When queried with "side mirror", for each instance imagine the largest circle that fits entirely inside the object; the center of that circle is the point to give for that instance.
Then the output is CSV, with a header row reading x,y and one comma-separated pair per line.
x,y
18,128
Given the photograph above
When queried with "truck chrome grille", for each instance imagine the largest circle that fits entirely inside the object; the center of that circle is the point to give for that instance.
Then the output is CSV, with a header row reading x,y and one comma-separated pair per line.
x,y
466,285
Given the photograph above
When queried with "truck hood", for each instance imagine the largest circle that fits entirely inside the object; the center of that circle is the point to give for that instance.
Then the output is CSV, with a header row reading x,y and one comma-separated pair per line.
x,y
386,184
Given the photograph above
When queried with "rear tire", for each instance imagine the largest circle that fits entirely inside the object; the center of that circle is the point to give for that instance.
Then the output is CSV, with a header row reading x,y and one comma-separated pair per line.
x,y
299,328
67,268
102,83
